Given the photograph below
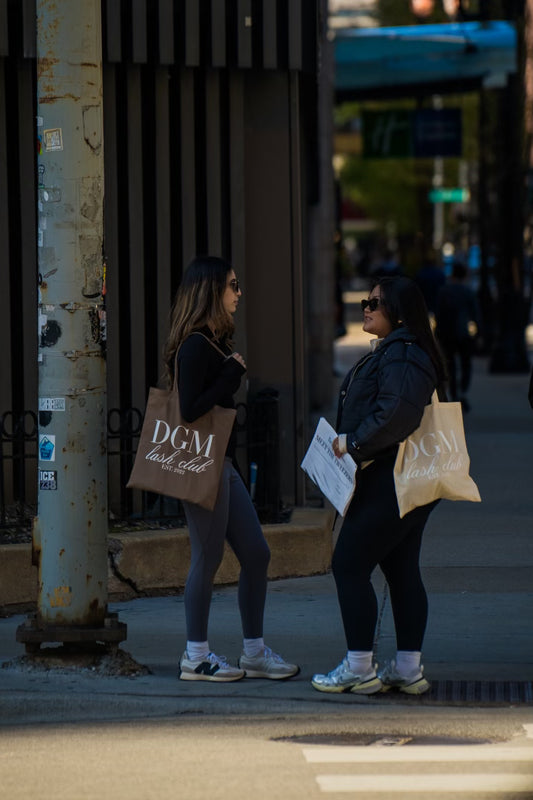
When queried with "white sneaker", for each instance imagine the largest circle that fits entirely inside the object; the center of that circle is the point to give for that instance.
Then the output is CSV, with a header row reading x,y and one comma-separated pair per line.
x,y
267,665
415,683
211,668
342,679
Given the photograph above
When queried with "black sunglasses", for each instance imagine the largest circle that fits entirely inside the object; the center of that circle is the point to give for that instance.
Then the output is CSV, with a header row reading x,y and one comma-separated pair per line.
x,y
234,283
371,304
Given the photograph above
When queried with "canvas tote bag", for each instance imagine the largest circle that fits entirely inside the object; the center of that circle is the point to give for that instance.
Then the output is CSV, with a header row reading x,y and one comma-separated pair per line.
x,y
433,462
178,458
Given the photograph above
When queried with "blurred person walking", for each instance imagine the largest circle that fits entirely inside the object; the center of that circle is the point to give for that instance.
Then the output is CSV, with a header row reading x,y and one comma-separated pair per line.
x,y
381,402
431,279
200,347
456,310
388,266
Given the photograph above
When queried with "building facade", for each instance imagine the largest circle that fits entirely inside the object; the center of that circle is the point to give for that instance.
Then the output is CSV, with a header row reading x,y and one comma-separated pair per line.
x,y
216,141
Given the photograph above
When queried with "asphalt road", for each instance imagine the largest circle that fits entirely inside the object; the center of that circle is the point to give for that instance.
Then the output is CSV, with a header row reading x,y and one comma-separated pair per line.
x,y
364,753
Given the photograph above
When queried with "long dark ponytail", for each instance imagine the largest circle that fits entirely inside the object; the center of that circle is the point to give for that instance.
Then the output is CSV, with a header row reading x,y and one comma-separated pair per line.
x,y
406,307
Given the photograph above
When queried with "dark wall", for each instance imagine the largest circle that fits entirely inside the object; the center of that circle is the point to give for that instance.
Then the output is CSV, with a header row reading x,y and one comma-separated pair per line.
x,y
275,335
203,109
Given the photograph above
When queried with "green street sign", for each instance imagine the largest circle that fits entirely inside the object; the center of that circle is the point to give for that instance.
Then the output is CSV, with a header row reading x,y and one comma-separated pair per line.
x,y
449,196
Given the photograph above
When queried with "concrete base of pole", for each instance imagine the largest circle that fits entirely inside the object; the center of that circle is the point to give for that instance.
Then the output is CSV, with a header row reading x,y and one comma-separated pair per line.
x,y
90,658
32,635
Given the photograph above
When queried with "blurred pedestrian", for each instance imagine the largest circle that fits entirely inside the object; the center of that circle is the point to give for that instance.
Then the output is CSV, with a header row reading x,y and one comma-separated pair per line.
x,y
456,313
382,400
388,266
209,373
431,279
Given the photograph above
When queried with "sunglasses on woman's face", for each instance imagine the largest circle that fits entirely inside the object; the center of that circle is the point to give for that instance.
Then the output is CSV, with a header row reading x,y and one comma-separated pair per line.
x,y
371,304
234,283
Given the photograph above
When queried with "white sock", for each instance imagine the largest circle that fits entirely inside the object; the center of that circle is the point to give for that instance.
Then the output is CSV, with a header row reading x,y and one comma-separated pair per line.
x,y
253,647
360,661
408,661
197,651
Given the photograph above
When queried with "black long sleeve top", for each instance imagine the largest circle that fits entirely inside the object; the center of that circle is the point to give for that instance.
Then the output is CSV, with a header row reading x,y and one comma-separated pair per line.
x,y
207,377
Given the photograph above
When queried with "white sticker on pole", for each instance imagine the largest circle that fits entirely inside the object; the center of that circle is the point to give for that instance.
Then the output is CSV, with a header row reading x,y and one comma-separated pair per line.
x,y
47,447
53,139
51,403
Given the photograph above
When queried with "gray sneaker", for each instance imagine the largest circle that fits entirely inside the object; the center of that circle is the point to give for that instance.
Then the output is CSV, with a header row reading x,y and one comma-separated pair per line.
x,y
211,668
268,665
415,683
342,679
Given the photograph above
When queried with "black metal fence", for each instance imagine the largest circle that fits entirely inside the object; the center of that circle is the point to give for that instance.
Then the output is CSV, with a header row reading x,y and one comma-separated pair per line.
x,y
18,467
257,444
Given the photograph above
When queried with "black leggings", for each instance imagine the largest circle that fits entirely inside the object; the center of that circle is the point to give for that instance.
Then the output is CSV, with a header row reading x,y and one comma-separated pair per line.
x,y
234,519
373,534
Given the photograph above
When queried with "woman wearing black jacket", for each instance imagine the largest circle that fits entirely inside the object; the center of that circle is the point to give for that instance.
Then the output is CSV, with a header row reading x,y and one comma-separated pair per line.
x,y
209,373
381,402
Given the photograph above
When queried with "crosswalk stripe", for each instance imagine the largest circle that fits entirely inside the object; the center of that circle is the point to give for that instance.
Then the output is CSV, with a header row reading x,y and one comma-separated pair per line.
x,y
412,753
493,782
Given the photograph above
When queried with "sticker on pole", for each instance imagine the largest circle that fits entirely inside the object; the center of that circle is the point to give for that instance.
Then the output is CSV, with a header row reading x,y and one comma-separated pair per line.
x,y
48,480
52,404
53,139
47,447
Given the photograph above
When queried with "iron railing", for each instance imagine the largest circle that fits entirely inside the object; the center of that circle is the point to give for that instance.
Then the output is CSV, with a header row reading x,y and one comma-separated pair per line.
x,y
18,467
257,443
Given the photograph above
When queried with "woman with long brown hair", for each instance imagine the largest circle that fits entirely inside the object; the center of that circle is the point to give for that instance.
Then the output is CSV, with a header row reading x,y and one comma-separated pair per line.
x,y
200,346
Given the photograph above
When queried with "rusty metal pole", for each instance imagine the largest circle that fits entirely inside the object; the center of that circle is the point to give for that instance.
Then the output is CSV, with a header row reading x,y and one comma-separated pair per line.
x,y
70,531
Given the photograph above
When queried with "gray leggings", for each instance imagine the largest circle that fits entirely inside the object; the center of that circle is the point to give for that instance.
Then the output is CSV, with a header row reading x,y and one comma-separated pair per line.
x,y
234,518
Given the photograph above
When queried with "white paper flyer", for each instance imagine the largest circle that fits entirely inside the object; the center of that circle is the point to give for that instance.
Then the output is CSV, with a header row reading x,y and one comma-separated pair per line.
x,y
335,477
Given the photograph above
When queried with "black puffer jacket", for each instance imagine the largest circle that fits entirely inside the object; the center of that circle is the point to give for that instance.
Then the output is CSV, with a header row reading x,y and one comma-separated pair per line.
x,y
382,398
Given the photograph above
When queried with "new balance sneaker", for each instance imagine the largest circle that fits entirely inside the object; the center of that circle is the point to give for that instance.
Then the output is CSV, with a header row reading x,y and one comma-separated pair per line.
x,y
211,668
415,683
268,665
342,679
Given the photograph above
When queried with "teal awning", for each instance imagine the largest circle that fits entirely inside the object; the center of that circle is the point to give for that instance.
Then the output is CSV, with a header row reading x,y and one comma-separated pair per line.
x,y
426,57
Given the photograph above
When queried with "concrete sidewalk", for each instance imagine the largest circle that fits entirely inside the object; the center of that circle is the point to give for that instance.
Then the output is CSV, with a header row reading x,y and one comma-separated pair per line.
x,y
478,565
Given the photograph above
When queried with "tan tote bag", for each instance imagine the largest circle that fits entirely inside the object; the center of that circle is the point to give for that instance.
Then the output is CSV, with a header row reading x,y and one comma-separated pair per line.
x,y
433,462
178,458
